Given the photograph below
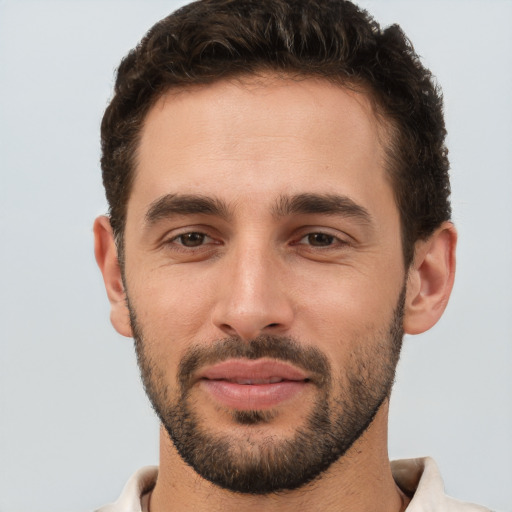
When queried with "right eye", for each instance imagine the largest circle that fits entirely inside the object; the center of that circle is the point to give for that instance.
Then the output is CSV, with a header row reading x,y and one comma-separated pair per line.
x,y
192,239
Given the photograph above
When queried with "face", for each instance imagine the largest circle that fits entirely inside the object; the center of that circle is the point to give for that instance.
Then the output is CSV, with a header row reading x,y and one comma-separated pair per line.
x,y
264,274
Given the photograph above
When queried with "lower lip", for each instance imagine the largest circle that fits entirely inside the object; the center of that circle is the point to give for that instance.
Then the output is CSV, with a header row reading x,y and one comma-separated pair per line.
x,y
252,396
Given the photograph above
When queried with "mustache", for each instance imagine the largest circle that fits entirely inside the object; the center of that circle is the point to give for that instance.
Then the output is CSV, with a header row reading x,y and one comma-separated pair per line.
x,y
283,348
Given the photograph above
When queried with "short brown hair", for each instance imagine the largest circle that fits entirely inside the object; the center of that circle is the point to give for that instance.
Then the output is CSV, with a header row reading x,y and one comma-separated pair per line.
x,y
209,40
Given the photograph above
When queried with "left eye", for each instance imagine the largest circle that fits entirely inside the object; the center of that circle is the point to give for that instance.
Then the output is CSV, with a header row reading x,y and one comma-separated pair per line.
x,y
193,239
318,239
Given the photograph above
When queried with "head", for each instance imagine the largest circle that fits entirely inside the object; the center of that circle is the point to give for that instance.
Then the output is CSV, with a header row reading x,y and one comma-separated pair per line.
x,y
208,41
278,193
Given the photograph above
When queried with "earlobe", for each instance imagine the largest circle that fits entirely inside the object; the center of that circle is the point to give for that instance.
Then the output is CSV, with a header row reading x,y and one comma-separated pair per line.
x,y
106,256
430,279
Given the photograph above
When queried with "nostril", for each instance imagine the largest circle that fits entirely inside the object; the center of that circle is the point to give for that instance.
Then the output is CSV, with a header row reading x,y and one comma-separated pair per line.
x,y
273,325
228,328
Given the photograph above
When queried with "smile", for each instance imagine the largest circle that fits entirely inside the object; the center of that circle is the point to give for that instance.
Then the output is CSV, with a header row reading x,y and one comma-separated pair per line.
x,y
244,384
256,382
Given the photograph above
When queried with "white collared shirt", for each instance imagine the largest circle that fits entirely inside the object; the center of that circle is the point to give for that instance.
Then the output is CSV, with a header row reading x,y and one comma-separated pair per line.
x,y
420,477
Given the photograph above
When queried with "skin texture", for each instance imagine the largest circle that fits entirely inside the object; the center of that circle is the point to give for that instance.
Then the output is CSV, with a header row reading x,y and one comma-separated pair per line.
x,y
330,280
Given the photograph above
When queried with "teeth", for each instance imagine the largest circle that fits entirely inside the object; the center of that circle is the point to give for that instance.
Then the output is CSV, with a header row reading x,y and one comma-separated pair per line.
x,y
272,380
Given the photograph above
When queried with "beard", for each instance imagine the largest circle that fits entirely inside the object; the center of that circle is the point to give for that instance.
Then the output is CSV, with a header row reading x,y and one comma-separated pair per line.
x,y
344,407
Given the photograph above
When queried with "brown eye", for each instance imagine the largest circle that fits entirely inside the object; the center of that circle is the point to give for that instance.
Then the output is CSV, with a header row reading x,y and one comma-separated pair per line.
x,y
191,239
319,239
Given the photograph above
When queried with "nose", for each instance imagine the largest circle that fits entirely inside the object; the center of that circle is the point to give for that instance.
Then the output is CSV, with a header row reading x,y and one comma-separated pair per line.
x,y
252,297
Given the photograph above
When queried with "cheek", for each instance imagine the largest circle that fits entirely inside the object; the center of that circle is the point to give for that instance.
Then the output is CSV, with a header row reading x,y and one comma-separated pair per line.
x,y
349,308
171,309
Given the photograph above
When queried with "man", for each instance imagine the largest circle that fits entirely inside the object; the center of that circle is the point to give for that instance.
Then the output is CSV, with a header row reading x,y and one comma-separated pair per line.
x,y
279,217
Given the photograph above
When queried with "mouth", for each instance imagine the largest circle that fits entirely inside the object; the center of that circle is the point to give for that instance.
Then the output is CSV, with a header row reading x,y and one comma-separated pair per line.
x,y
245,384
252,382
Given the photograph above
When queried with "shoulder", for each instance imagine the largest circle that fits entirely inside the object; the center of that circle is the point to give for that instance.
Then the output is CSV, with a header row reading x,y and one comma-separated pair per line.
x,y
139,484
420,478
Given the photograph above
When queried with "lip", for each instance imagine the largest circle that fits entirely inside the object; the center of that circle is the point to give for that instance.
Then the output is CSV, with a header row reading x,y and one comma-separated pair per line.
x,y
245,384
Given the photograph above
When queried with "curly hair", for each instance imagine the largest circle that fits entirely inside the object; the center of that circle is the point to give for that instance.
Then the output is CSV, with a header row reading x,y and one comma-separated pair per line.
x,y
210,40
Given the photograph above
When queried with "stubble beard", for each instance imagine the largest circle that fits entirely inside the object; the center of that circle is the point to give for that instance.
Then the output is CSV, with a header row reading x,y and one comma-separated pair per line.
x,y
245,464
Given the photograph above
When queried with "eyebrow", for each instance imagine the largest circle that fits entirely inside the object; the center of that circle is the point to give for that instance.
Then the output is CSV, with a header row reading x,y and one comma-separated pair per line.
x,y
185,204
326,204
192,204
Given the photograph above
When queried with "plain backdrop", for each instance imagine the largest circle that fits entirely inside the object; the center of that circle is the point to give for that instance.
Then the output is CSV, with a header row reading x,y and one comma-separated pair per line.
x,y
74,422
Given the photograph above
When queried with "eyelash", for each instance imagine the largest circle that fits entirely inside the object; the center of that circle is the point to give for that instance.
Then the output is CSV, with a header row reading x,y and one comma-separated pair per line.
x,y
335,241
174,240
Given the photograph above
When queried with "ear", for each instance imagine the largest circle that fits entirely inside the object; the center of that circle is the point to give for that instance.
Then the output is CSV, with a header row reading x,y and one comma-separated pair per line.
x,y
430,279
105,251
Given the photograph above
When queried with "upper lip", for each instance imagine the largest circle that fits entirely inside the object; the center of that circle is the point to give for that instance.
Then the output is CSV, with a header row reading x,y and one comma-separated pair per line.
x,y
248,371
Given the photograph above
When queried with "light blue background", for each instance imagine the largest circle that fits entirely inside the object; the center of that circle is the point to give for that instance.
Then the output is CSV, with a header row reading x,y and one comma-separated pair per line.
x,y
74,422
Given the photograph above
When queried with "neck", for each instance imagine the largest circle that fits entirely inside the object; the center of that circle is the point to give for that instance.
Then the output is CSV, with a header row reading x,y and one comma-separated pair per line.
x,y
360,481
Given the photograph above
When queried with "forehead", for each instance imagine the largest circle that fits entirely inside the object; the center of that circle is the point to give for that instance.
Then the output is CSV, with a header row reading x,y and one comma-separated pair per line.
x,y
233,137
